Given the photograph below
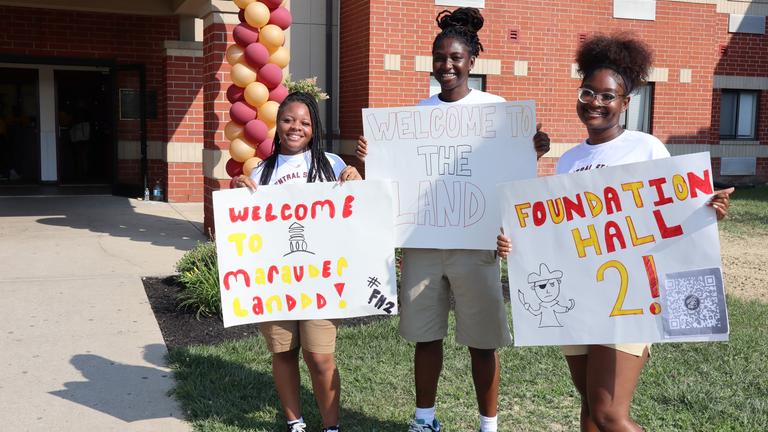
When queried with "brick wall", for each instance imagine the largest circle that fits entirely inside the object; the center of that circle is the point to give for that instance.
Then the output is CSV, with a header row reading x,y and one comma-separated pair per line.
x,y
216,38
683,36
184,107
354,65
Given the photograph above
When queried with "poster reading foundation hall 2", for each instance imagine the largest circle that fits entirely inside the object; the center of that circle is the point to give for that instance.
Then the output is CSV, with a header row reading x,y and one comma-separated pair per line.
x,y
305,251
619,254
445,162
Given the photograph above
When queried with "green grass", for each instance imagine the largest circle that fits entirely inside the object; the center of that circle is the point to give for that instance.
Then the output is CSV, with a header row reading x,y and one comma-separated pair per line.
x,y
748,213
691,387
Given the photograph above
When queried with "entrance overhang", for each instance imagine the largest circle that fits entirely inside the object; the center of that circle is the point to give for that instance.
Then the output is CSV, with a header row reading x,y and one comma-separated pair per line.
x,y
133,7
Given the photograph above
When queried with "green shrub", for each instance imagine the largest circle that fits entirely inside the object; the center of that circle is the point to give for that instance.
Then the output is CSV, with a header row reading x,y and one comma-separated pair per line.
x,y
199,275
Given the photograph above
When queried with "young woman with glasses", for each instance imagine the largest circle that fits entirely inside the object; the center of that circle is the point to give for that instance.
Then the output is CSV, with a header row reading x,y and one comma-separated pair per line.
x,y
429,276
612,68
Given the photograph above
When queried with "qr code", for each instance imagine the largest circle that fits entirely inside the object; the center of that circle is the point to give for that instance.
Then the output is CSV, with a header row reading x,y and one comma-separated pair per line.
x,y
693,303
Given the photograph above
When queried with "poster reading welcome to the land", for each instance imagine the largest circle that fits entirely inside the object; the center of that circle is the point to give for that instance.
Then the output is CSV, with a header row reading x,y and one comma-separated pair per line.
x,y
305,251
619,254
445,162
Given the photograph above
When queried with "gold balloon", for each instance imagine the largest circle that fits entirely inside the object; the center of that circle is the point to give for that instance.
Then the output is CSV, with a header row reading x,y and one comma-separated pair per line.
x,y
268,113
256,94
233,130
280,57
242,4
242,75
240,150
272,37
234,54
271,132
257,15
250,164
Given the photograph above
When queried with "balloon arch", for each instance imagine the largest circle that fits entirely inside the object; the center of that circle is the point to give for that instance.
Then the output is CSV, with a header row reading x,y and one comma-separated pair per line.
x,y
257,57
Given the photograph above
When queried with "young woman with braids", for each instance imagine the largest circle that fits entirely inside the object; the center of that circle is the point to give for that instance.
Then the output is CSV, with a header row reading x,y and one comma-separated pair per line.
x,y
612,68
299,158
429,276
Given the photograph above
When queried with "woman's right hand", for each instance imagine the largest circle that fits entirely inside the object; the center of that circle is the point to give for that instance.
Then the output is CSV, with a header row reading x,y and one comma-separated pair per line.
x,y
362,148
503,245
243,181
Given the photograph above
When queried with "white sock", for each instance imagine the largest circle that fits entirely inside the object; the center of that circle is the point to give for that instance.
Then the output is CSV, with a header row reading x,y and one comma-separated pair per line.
x,y
298,420
426,414
488,424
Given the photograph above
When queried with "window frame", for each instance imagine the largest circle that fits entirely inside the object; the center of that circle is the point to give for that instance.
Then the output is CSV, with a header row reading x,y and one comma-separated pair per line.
x,y
649,103
755,119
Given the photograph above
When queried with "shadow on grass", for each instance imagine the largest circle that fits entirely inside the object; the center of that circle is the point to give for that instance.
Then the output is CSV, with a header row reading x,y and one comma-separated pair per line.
x,y
231,385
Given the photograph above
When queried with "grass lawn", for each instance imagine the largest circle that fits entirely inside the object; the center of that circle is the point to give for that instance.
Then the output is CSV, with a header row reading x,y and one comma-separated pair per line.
x,y
685,387
690,387
748,213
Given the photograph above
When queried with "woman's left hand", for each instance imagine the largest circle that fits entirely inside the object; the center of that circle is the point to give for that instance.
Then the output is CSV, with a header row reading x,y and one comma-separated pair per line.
x,y
349,173
540,142
720,202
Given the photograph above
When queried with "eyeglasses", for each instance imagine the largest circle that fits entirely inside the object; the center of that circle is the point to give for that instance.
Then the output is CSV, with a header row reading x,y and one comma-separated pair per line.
x,y
587,96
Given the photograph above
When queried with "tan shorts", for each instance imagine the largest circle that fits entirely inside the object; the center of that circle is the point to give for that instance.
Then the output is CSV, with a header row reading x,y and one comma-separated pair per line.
x,y
317,336
636,349
430,275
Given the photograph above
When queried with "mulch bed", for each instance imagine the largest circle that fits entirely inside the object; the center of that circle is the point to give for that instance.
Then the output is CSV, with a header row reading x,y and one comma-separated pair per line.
x,y
181,327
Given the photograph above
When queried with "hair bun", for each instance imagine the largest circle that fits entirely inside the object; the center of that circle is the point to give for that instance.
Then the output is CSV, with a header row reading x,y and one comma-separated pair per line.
x,y
466,17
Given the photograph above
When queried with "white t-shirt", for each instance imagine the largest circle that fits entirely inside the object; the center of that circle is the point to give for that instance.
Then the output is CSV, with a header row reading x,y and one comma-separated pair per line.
x,y
629,147
474,97
295,168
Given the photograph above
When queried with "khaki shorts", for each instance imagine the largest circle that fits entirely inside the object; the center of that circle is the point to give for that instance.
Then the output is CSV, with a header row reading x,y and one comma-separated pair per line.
x,y
430,275
635,349
317,336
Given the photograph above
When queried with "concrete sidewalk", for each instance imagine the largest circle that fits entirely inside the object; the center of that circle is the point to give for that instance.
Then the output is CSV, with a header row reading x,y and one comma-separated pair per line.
x,y
81,350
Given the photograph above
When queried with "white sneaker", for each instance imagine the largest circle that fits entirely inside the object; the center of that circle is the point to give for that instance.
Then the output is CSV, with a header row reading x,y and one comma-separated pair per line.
x,y
419,425
298,426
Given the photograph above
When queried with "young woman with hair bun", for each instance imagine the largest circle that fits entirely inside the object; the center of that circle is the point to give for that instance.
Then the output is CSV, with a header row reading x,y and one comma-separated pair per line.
x,y
430,276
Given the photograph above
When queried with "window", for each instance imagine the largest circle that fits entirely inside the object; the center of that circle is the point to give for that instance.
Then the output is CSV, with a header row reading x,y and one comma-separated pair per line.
x,y
738,114
638,114
476,82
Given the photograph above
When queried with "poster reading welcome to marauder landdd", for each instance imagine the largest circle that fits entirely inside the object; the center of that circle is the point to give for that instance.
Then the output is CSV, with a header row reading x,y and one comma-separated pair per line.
x,y
305,251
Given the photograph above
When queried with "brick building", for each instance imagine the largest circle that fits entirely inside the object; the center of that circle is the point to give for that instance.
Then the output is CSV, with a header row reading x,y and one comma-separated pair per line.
x,y
133,93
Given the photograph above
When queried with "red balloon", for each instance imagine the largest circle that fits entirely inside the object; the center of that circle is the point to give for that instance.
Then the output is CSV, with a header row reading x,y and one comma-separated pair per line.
x,y
241,15
245,35
281,17
270,75
256,55
234,168
256,131
278,93
242,113
272,4
265,149
235,93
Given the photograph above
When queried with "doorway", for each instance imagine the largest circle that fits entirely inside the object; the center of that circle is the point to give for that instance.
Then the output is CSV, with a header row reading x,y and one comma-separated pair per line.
x,y
19,126
84,120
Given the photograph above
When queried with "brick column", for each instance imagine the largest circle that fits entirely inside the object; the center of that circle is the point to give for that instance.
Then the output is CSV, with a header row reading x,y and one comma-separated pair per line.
x,y
217,35
184,107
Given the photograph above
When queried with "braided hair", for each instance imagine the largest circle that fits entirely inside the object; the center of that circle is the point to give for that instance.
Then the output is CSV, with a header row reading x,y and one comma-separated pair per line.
x,y
319,167
627,56
462,24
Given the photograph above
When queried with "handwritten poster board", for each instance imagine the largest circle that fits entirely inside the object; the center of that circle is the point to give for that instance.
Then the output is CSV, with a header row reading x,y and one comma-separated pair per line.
x,y
305,251
445,162
619,254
